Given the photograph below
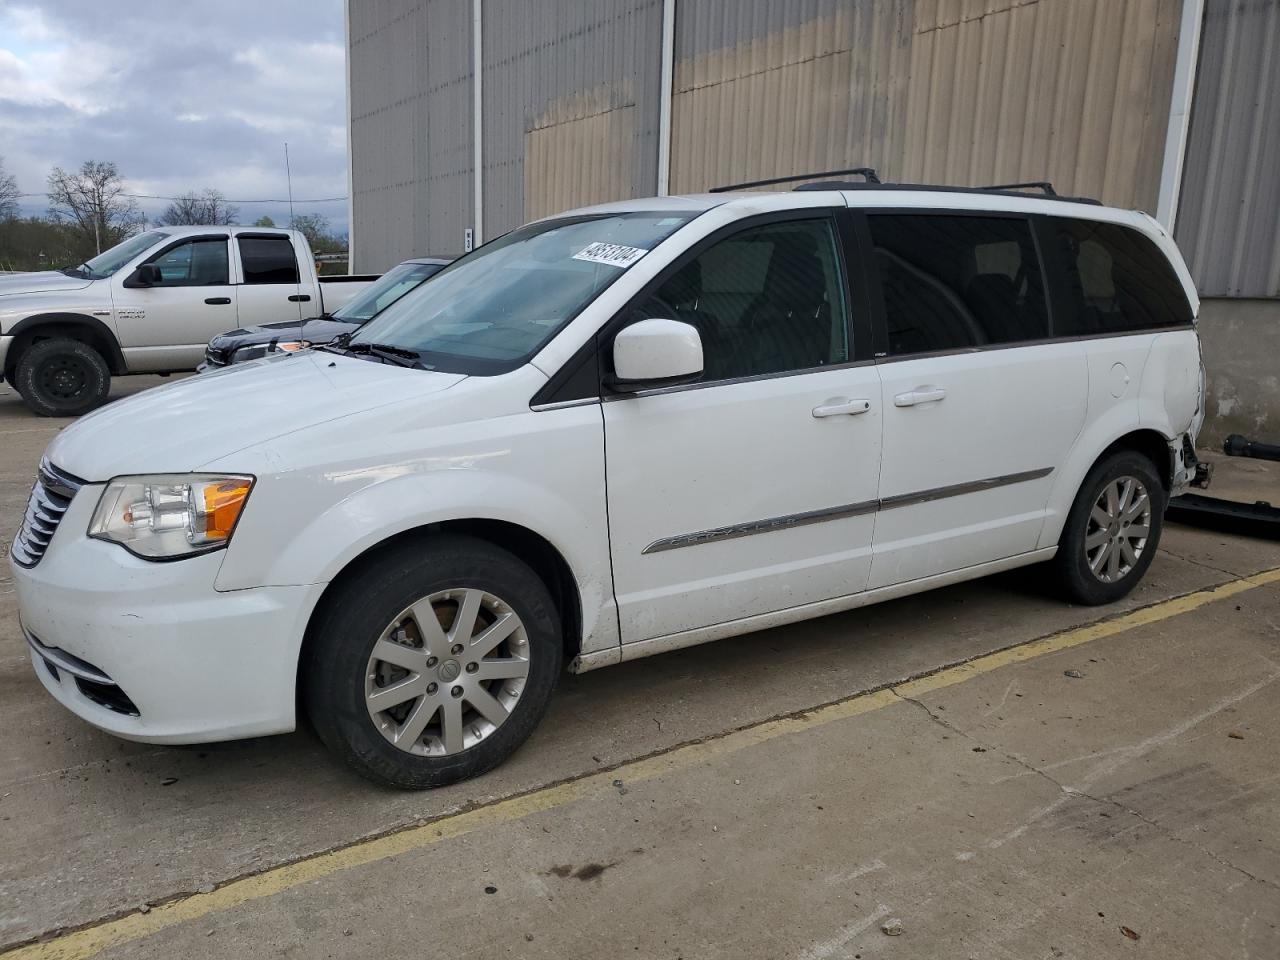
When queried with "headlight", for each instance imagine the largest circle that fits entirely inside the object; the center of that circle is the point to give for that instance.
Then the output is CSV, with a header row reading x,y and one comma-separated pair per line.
x,y
166,517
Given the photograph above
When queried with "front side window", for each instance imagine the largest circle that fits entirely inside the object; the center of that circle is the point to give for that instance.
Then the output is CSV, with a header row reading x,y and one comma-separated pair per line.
x,y
495,308
195,263
1117,280
109,261
386,290
953,282
268,260
767,300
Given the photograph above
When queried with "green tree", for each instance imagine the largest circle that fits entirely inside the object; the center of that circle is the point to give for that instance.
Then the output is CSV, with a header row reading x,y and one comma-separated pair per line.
x,y
264,221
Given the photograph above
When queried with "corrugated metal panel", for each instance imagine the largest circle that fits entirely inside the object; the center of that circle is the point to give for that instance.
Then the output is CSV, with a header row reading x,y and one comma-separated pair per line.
x,y
410,128
764,89
964,92
1073,91
1228,223
554,72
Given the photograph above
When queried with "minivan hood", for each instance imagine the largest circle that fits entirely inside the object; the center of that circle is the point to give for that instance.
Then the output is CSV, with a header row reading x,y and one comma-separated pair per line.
x,y
178,427
43,281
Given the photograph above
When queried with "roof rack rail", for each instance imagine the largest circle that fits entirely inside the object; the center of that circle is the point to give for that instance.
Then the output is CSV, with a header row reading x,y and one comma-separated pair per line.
x,y
867,173
1044,185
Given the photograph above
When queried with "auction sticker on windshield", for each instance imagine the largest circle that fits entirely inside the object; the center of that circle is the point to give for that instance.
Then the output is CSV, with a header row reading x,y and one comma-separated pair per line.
x,y
612,254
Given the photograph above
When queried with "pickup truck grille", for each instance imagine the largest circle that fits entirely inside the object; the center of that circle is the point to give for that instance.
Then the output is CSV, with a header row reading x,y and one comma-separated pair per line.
x,y
49,500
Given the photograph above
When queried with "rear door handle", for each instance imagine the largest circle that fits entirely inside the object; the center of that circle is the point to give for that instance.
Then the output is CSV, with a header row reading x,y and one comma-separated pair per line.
x,y
217,301
299,297
919,395
841,406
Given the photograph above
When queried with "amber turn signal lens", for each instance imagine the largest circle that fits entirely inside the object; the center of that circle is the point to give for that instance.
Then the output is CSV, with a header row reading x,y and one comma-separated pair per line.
x,y
222,505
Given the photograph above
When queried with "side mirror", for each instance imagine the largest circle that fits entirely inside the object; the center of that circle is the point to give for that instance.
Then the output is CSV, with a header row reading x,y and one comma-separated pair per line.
x,y
147,275
655,353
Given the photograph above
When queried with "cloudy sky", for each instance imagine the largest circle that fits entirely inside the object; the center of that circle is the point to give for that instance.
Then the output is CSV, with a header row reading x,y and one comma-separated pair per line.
x,y
182,96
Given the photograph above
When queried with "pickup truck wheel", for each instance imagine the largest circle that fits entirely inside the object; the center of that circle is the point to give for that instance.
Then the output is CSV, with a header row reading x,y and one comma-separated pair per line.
x,y
62,378
1113,529
433,664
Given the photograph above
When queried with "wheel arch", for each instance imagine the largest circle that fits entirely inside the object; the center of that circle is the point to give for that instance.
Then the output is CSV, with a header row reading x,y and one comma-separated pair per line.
x,y
541,556
75,326
1104,440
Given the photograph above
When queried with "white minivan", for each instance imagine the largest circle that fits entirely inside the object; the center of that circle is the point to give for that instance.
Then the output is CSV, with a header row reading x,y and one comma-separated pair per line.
x,y
607,434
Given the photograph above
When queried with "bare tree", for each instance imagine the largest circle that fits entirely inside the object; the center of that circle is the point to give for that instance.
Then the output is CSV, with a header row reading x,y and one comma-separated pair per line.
x,y
92,203
8,194
209,207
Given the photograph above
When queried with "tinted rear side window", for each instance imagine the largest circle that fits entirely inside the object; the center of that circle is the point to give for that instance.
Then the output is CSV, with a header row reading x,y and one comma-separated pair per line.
x,y
951,282
268,260
1118,281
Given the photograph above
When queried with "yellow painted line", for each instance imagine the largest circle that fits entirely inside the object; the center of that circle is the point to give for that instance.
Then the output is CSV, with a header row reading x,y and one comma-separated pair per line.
x,y
89,941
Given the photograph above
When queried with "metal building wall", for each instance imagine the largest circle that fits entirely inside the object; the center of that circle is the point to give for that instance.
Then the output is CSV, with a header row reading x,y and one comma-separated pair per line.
x,y
570,105
963,92
410,128
765,89
1072,91
950,91
1228,223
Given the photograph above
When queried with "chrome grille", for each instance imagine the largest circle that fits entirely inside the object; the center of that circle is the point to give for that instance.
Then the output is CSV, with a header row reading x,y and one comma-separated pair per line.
x,y
49,500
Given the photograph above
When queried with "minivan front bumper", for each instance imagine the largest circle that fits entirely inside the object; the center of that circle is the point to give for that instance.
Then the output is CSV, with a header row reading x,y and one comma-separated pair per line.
x,y
151,651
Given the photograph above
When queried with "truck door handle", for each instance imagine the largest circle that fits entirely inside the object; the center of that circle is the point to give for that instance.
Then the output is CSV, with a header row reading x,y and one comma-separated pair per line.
x,y
919,395
838,406
299,297
217,301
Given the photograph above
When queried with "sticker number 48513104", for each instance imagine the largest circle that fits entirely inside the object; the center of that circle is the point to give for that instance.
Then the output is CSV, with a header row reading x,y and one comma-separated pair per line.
x,y
612,254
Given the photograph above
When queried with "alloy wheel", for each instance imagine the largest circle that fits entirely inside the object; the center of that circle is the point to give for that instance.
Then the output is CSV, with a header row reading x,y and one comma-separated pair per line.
x,y
446,673
1118,528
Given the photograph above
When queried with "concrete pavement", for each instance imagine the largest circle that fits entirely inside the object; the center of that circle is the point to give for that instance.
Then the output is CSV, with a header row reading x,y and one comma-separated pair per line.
x,y
999,814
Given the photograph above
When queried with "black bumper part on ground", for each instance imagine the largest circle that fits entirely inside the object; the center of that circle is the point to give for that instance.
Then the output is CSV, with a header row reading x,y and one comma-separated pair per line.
x,y
1259,519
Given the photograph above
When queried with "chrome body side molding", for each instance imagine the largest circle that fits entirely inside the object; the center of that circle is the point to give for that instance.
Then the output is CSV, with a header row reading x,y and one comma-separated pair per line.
x,y
771,524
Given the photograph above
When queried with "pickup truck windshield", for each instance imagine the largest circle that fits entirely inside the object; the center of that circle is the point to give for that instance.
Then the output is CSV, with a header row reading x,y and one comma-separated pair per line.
x,y
495,308
386,290
109,261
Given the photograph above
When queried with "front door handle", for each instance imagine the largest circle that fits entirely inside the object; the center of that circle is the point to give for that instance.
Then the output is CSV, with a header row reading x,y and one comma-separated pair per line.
x,y
299,297
919,395
841,406
217,301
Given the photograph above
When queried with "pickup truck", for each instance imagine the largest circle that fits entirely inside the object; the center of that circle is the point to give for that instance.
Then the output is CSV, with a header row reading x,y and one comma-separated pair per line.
x,y
251,343
150,305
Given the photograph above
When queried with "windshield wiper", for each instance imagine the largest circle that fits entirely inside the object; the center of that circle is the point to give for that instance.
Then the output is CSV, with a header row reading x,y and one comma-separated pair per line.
x,y
387,352
81,272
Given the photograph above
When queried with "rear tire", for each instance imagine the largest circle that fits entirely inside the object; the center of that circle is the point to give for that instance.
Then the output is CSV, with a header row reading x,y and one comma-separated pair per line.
x,y
1112,531
62,378
403,678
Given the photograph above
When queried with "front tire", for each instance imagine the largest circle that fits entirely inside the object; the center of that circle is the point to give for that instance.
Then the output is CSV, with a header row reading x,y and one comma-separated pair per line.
x,y
1112,531
62,378
434,663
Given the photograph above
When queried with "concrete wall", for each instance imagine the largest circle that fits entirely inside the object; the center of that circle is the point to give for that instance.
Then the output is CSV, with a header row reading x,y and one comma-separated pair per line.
x,y
1241,341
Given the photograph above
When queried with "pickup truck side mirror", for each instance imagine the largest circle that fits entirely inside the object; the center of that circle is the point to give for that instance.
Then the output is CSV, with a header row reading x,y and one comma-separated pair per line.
x,y
655,353
147,275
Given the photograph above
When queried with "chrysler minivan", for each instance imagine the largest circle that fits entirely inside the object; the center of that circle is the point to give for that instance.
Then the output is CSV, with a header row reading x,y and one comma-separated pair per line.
x,y
608,434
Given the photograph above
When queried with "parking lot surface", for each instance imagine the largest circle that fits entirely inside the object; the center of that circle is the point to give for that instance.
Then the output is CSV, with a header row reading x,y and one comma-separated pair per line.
x,y
1002,774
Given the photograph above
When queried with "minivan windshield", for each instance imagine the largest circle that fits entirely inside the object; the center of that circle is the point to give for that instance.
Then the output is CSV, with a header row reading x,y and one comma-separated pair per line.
x,y
384,291
109,261
495,308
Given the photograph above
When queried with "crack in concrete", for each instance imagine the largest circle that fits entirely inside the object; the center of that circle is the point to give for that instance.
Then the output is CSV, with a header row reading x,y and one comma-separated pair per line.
x,y
1069,791
1201,563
